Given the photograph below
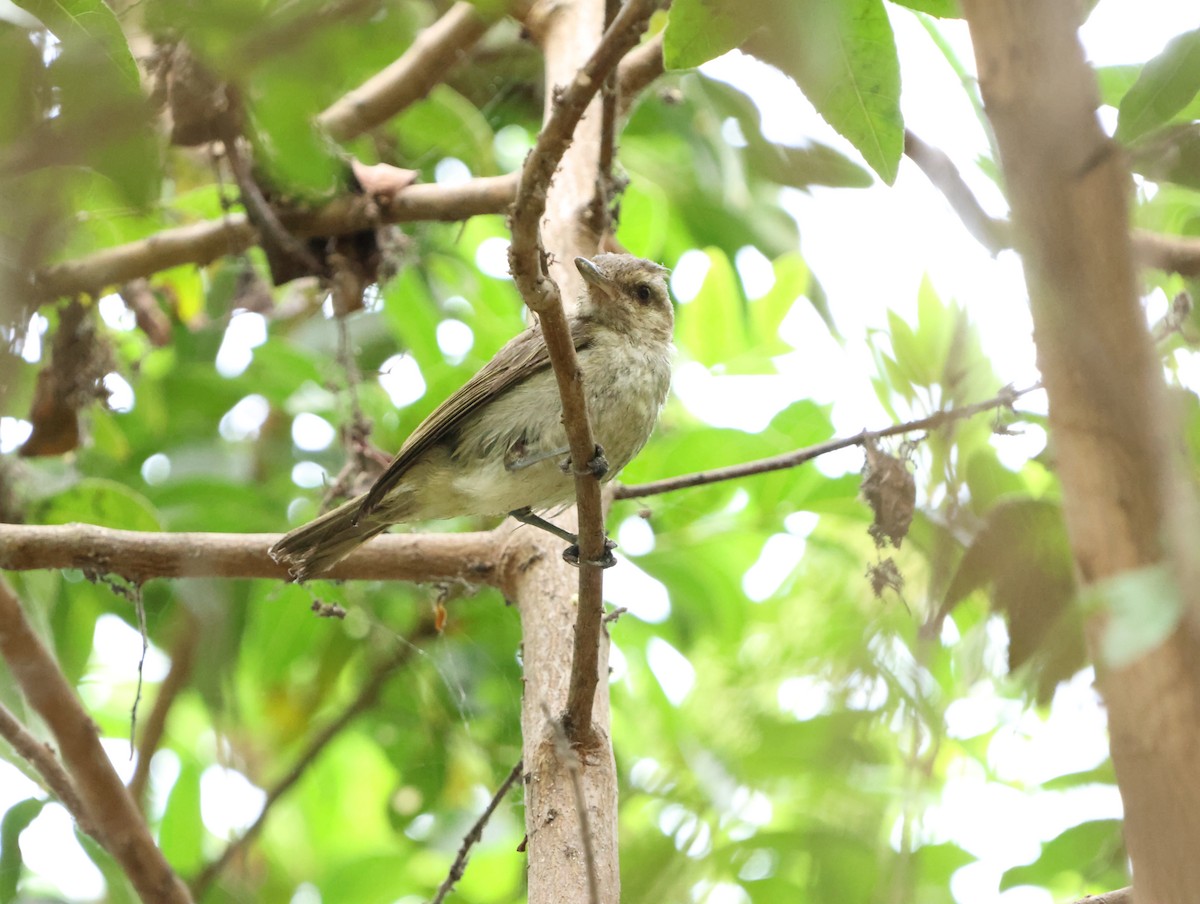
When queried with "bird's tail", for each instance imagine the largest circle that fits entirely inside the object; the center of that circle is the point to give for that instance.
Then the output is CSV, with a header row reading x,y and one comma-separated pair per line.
x,y
315,547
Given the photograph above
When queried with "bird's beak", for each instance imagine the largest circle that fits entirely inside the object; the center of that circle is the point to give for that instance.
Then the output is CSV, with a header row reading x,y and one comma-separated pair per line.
x,y
591,274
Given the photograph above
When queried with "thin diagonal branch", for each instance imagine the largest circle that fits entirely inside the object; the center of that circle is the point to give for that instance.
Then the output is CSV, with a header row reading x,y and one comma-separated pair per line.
x,y
41,757
995,235
1168,253
472,837
366,699
204,242
140,556
1003,399
106,801
425,64
527,260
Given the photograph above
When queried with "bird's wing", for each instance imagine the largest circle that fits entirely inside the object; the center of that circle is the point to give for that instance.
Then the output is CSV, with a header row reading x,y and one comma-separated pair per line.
x,y
523,356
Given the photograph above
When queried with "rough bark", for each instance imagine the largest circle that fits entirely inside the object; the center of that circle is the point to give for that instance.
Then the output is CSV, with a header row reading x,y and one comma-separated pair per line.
x,y
1127,502
559,866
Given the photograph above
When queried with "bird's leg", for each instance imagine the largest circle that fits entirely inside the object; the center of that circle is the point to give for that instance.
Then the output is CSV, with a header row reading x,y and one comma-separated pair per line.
x,y
518,457
597,467
571,553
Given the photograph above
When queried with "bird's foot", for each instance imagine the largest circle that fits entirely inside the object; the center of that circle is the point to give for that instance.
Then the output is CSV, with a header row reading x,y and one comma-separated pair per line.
x,y
608,560
597,466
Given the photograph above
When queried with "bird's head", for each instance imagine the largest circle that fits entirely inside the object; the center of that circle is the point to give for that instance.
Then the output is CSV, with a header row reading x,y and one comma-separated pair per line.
x,y
627,294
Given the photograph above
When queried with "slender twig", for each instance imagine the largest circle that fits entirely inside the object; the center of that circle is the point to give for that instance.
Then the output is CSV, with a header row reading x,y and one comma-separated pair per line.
x,y
472,837
41,757
140,556
527,260
1168,253
1003,399
570,759
599,211
366,698
409,557
409,78
183,656
204,242
105,800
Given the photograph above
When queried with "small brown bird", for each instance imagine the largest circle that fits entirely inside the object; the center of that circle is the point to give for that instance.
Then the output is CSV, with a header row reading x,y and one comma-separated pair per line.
x,y
497,444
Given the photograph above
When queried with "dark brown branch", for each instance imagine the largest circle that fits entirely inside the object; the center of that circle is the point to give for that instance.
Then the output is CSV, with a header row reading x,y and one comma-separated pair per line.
x,y
106,801
41,757
183,656
472,837
140,556
425,64
366,698
203,242
1003,399
527,260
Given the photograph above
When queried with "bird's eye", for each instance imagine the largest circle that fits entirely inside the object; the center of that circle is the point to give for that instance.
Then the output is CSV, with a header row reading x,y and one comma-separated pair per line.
x,y
643,293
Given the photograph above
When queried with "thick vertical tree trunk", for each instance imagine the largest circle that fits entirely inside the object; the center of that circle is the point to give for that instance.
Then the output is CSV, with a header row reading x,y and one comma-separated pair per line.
x,y
562,863
1128,502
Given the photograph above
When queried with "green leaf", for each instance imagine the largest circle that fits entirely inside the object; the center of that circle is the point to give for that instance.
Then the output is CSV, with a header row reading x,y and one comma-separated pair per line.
x,y
1104,774
1144,608
712,326
96,500
1091,850
15,821
118,890
1115,81
91,21
942,9
1169,154
767,313
842,54
182,831
1022,553
445,124
99,92
701,30
1166,85
813,164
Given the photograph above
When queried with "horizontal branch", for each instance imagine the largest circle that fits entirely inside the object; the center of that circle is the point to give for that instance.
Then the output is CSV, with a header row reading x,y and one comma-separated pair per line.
x,y
1003,399
412,76
140,556
202,243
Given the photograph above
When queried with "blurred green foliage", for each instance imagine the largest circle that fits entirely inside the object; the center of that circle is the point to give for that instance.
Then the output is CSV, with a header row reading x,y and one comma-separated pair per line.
x,y
800,762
